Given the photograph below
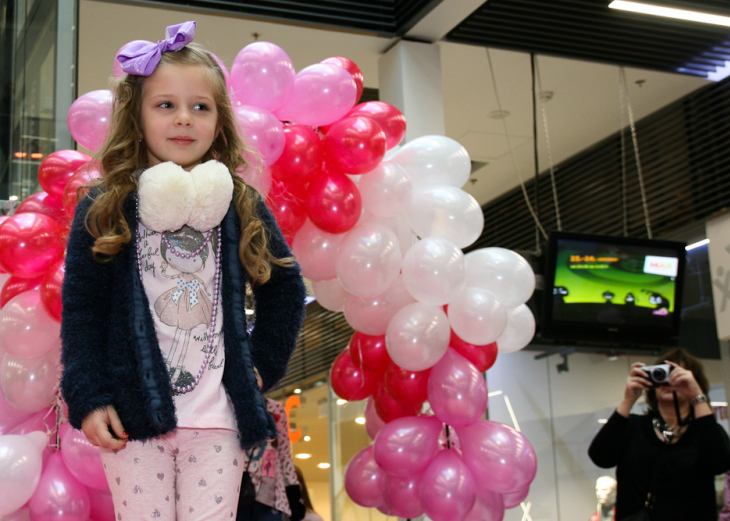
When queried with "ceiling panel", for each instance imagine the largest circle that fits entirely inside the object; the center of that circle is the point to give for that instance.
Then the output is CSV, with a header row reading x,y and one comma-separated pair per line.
x,y
589,30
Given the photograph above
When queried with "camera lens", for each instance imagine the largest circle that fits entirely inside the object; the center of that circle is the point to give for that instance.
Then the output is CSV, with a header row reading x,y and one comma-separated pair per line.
x,y
659,374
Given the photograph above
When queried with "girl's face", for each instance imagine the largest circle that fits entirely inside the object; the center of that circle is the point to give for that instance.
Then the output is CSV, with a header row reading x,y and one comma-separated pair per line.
x,y
179,118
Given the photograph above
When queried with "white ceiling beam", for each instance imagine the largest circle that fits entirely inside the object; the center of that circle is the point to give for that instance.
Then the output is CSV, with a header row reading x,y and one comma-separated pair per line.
x,y
444,17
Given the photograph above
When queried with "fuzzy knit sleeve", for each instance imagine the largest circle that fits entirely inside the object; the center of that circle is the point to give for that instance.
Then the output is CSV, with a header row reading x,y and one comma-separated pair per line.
x,y
86,296
279,309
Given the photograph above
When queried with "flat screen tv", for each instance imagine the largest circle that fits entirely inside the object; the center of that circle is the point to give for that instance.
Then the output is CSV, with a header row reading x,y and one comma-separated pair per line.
x,y
619,291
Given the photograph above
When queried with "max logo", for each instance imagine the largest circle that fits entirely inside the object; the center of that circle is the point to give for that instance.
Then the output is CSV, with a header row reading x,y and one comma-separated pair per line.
x,y
660,265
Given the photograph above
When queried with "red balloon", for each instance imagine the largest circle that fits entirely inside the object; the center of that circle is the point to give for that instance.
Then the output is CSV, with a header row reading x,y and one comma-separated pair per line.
x,y
390,119
333,202
2,220
407,387
81,177
51,289
389,409
29,244
41,202
352,68
354,145
369,352
302,156
57,168
286,202
14,286
483,357
349,382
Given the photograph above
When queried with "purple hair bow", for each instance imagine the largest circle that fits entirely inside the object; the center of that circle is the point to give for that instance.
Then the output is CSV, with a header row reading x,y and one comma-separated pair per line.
x,y
141,58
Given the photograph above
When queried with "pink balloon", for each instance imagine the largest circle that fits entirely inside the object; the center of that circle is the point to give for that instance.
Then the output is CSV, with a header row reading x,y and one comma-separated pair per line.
x,y
82,459
404,447
364,479
41,202
447,488
330,294
369,260
29,244
512,499
321,94
418,336
102,507
457,391
89,117
501,459
372,315
333,202
44,421
8,425
402,496
256,175
20,464
26,328
373,423
487,507
316,251
262,130
22,514
224,69
262,75
59,496
118,72
29,384
7,411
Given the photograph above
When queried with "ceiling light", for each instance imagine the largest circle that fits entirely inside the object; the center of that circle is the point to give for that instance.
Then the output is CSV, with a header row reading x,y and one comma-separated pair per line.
x,y
303,455
603,420
21,154
718,404
249,311
307,438
340,401
360,420
323,465
499,114
297,391
669,12
697,244
13,198
36,155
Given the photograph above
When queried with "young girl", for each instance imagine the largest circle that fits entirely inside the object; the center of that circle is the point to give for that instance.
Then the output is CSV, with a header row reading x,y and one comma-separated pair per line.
x,y
159,370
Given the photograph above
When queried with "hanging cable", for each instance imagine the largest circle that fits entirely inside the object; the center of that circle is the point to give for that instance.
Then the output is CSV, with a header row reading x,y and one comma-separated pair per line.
x,y
511,153
635,142
622,126
542,100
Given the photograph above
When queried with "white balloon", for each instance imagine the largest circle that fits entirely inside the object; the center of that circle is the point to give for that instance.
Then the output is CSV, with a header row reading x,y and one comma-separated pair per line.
x,y
315,251
476,316
519,331
20,468
503,272
399,225
330,294
435,160
386,190
391,153
368,260
447,212
418,336
372,315
434,271
30,384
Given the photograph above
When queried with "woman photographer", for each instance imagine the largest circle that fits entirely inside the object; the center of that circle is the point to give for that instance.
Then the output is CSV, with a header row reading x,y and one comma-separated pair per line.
x,y
667,459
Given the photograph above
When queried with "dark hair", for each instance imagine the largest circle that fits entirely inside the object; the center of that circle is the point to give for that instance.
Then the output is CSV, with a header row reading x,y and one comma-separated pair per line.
x,y
681,357
303,486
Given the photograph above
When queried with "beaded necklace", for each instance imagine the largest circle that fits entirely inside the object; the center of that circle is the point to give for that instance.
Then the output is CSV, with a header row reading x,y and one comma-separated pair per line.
x,y
216,292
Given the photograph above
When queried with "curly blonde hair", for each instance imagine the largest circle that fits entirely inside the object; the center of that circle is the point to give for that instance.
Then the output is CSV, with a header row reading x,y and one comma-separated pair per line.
x,y
123,154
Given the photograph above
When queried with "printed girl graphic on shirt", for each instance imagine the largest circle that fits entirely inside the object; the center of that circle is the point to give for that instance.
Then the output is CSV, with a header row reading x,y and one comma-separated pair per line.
x,y
187,304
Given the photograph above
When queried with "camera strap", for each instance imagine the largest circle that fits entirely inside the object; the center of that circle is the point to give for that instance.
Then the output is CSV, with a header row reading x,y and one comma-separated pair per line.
x,y
681,422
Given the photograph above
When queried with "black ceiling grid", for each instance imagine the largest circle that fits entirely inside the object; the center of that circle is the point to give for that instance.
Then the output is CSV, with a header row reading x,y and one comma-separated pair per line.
x,y
588,30
685,160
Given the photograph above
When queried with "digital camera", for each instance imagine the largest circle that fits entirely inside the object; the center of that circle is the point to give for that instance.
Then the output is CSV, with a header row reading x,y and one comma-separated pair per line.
x,y
657,374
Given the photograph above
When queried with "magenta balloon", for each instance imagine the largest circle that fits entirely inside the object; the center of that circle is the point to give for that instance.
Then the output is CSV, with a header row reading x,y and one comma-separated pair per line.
x,y
102,507
29,244
59,496
22,514
20,469
405,446
512,499
457,390
262,75
316,251
261,130
82,459
29,384
447,488
89,117
373,423
321,94
372,315
118,72
487,507
333,202
26,328
402,496
501,459
364,479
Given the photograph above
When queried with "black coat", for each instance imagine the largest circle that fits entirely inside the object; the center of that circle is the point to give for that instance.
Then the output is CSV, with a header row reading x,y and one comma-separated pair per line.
x,y
111,354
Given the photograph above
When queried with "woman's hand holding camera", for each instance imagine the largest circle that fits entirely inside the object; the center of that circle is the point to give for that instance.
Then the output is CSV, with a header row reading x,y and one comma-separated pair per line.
x,y
636,383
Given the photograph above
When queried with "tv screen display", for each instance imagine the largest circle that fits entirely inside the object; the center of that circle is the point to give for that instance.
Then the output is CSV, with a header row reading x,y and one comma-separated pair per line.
x,y
605,289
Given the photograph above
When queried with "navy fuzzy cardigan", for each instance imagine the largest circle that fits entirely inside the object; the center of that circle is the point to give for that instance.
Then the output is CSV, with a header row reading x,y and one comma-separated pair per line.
x,y
111,354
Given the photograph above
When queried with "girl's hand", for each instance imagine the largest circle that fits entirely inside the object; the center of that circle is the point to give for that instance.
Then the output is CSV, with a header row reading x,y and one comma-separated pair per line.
x,y
683,381
636,383
96,428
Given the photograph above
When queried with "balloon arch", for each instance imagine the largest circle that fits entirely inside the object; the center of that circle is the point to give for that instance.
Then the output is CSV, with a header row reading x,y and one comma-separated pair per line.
x,y
379,230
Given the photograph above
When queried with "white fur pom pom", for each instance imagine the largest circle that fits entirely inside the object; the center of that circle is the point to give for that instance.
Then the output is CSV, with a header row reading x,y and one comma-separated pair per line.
x,y
166,197
213,194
